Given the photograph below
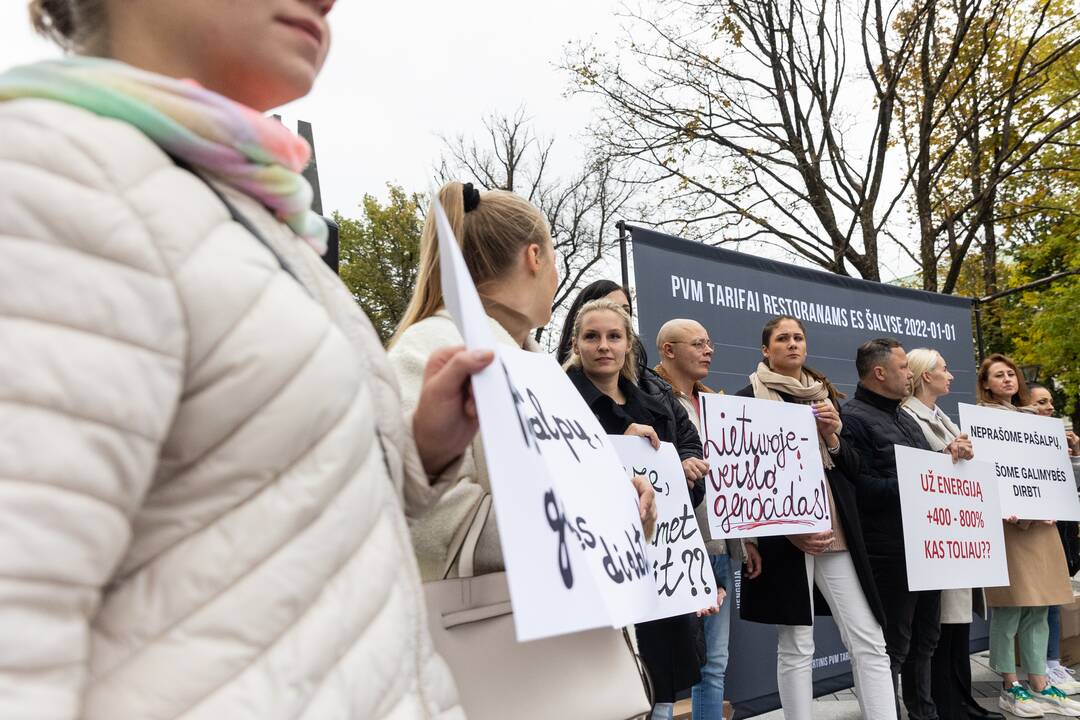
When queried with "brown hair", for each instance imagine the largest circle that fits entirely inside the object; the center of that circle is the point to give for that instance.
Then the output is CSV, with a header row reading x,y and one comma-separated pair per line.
x,y
766,338
1021,398
629,368
75,25
490,236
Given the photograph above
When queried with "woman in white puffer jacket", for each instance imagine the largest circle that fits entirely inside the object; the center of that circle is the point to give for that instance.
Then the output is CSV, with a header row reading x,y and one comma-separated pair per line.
x,y
203,460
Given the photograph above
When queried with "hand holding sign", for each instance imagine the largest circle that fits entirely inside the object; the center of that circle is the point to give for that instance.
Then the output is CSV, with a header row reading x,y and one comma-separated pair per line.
x,y
445,420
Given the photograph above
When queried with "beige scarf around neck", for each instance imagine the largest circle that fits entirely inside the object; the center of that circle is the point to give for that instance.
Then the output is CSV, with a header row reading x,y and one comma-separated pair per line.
x,y
768,385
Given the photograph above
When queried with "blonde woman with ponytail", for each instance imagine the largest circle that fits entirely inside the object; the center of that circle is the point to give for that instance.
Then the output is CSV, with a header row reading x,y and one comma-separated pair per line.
x,y
508,249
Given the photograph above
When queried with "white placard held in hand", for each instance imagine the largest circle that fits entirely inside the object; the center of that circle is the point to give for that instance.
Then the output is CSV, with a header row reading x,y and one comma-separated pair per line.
x,y
765,476
572,541
953,536
680,566
1029,457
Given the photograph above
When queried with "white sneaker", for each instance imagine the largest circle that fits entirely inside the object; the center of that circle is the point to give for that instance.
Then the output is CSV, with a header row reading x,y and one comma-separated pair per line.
x,y
1054,701
1018,701
1063,679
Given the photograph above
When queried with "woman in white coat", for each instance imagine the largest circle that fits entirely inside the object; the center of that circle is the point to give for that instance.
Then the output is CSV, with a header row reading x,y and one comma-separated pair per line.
x,y
203,455
508,250
951,664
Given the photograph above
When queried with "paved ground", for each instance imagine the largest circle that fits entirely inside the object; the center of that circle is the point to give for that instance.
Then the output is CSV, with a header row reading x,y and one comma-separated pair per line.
x,y
844,706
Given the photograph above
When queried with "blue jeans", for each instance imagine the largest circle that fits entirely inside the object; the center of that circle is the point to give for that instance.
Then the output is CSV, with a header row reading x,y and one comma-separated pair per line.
x,y
1053,645
707,696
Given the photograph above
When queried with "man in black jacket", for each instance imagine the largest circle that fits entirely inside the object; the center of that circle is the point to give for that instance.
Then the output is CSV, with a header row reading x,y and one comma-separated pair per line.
x,y
874,424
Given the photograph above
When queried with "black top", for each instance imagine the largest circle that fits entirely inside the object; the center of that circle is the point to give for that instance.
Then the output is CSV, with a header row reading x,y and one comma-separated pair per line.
x,y
614,418
873,426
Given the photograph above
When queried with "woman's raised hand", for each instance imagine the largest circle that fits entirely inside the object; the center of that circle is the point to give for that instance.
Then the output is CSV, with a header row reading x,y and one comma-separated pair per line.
x,y
445,420
827,418
645,431
646,505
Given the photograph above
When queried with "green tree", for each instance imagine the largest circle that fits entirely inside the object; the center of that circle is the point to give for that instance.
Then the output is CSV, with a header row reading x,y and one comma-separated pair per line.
x,y
379,254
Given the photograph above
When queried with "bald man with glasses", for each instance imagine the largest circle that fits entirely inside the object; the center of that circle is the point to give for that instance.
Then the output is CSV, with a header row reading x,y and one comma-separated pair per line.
x,y
685,357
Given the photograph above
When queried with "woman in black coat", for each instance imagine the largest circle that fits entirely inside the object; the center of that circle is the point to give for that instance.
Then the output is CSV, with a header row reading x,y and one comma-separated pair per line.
x,y
800,573
602,368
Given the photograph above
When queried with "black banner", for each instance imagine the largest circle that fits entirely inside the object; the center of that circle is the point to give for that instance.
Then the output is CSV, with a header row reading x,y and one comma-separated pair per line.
x,y
733,294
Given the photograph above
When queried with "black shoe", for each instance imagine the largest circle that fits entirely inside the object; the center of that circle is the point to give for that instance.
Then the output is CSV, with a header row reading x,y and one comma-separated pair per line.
x,y
983,714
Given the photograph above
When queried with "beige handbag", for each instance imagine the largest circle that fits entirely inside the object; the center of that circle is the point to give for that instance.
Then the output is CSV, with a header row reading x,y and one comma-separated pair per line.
x,y
592,675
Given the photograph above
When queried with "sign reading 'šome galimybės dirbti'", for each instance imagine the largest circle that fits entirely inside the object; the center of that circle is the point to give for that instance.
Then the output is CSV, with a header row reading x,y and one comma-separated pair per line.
x,y
1029,459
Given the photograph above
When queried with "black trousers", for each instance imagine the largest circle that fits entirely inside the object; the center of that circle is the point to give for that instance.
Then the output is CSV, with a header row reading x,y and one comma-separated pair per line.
x,y
913,623
950,673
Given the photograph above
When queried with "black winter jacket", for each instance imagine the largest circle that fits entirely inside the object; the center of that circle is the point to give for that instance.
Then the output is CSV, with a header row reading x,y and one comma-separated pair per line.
x,y
687,441
780,594
673,648
873,425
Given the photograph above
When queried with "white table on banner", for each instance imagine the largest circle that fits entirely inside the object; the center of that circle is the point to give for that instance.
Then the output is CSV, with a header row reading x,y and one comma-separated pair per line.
x,y
684,578
953,536
1029,458
766,475
575,553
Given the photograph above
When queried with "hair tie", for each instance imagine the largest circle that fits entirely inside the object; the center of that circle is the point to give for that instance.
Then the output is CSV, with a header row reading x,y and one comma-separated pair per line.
x,y
471,196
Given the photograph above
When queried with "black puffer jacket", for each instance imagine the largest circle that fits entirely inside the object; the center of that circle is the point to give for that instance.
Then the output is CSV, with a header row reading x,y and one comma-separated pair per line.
x,y
672,648
874,425
687,441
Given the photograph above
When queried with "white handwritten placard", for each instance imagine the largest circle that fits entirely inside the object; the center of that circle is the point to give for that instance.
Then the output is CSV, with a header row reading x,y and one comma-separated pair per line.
x,y
575,553
1029,457
952,529
765,476
684,578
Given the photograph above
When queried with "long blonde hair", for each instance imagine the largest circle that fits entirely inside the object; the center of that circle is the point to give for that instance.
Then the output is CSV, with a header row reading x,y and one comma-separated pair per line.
x,y
921,360
490,236
629,368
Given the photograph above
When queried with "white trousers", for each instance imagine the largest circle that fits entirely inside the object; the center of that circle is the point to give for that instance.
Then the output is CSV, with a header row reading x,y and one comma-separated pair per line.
x,y
834,574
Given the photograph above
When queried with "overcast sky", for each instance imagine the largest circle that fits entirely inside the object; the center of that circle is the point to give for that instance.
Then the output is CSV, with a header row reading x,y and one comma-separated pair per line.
x,y
400,73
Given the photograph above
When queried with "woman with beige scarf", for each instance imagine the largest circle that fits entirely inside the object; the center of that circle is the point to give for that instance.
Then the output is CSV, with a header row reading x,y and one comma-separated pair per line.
x,y
822,573
950,674
1038,577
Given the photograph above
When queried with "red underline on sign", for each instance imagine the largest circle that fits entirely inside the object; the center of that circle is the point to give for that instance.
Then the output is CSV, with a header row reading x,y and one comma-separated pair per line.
x,y
766,523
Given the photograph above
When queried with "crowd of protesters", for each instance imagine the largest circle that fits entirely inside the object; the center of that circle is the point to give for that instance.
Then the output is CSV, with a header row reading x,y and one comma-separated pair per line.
x,y
207,458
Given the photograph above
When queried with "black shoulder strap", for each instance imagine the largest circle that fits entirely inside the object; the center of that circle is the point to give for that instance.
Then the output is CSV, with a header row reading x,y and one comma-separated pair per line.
x,y
239,218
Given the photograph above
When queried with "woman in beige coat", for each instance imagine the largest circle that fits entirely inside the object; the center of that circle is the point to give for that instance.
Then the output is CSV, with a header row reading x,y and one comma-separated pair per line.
x,y
951,664
203,455
1038,577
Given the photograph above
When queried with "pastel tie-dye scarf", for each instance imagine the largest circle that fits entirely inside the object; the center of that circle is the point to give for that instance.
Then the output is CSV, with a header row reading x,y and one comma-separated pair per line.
x,y
229,141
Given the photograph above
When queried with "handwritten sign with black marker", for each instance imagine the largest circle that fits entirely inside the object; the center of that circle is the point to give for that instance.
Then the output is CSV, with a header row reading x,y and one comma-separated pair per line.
x,y
766,476
575,554
680,567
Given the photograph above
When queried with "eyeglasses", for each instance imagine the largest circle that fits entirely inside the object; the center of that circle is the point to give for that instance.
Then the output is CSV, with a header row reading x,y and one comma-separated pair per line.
x,y
699,344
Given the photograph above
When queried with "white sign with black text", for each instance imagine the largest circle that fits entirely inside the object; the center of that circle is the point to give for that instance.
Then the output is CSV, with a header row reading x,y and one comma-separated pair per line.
x,y
680,566
1029,457
575,553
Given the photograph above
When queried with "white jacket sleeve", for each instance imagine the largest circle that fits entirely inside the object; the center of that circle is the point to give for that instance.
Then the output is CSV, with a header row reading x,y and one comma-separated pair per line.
x,y
91,361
